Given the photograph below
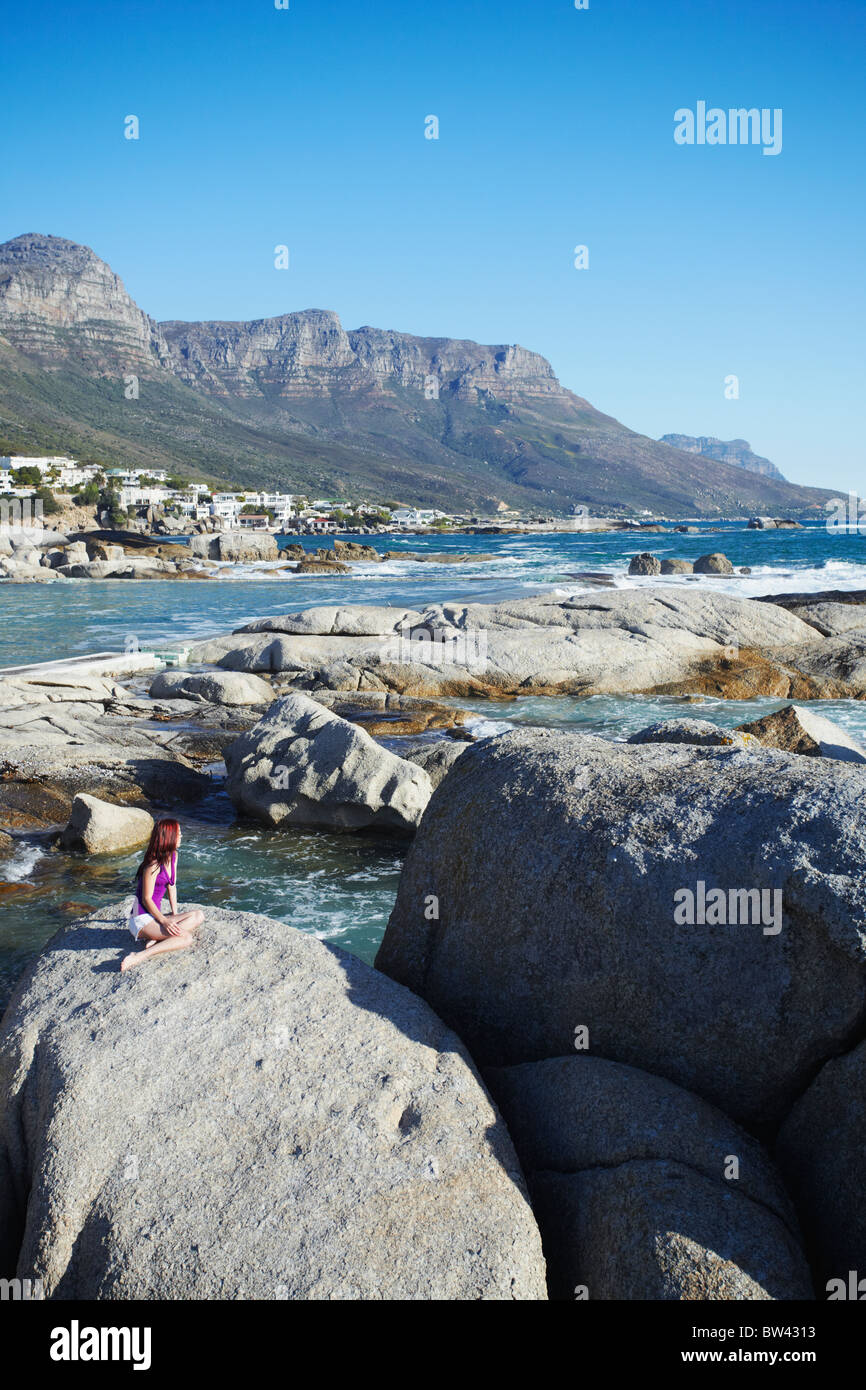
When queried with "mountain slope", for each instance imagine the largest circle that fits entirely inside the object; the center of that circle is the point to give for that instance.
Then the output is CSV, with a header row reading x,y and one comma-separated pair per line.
x,y
299,402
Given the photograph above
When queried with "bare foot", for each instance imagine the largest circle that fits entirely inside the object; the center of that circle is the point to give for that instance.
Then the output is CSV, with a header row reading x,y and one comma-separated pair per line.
x,y
129,961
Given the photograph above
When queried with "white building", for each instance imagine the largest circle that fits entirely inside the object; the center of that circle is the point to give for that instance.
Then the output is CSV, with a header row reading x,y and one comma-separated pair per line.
x,y
57,470
44,462
144,496
191,507
415,516
226,505
132,477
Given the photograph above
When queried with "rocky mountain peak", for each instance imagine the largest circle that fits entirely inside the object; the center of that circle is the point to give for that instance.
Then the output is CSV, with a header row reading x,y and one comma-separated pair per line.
x,y
52,289
735,451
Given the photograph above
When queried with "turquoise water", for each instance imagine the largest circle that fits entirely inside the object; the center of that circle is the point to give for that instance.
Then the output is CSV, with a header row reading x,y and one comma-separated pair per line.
x,y
342,887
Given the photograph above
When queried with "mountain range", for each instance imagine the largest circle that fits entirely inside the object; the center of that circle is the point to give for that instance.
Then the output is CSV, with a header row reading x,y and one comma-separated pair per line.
x,y
300,403
736,451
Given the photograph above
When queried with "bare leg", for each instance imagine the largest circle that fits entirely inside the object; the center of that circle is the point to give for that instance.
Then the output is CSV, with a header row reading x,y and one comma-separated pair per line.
x,y
188,920
157,947
157,941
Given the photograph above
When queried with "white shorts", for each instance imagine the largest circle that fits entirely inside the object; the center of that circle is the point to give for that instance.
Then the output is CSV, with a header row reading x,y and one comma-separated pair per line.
x,y
135,923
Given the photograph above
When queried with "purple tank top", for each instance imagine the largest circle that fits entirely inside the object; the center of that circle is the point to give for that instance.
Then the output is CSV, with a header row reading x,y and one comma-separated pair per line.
x,y
162,882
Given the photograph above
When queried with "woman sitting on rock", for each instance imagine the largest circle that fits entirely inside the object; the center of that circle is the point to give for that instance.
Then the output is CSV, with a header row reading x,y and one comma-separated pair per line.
x,y
163,931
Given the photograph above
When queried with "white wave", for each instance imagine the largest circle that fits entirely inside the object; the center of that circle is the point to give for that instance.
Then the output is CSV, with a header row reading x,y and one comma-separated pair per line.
x,y
488,728
764,579
21,863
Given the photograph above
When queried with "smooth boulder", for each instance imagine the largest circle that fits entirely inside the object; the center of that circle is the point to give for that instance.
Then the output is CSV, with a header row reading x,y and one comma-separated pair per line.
x,y
645,563
713,564
330,620
571,880
99,827
236,547
313,1132
303,765
667,640
212,687
821,1150
643,1190
437,758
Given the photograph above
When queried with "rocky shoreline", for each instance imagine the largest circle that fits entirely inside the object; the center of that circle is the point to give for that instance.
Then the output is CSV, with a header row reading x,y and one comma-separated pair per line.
x,y
549,1069
44,556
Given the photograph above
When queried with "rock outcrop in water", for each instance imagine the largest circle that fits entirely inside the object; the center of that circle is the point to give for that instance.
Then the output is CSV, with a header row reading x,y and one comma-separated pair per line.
x,y
303,765
101,827
260,1117
649,641
239,547
64,732
800,730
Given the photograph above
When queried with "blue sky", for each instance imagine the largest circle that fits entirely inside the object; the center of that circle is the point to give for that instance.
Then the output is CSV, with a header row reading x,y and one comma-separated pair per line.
x,y
305,127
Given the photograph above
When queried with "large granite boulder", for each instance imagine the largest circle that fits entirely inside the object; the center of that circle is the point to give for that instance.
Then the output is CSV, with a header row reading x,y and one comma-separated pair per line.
x,y
831,619
262,1116
667,640
99,827
353,552
699,910
713,564
645,563
834,668
238,547
643,1190
303,765
213,687
822,1153
205,547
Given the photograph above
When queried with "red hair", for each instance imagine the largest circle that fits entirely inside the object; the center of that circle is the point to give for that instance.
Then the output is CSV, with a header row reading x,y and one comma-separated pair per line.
x,y
162,844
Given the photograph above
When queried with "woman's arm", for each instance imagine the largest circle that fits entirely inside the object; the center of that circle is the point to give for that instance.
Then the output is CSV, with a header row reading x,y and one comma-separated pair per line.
x,y
148,879
172,887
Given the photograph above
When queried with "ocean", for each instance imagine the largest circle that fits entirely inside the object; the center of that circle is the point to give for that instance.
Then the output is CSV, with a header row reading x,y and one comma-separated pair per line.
x,y
341,887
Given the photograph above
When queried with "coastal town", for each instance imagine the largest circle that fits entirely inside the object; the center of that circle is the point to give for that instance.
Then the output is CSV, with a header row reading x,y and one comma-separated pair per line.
x,y
56,478
54,486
